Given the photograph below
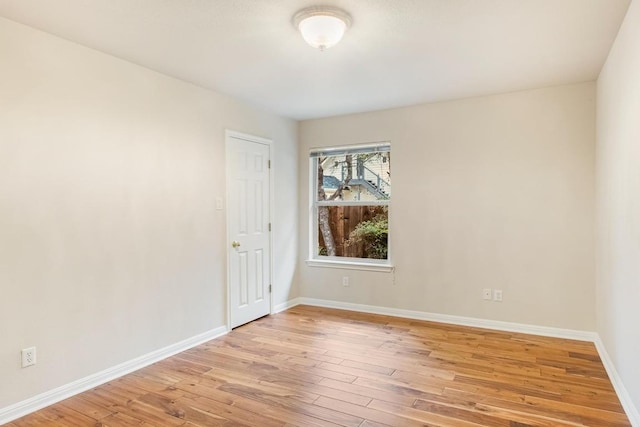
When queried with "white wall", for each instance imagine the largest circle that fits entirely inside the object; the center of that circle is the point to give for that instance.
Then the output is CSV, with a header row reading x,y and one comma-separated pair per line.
x,y
618,200
110,244
494,192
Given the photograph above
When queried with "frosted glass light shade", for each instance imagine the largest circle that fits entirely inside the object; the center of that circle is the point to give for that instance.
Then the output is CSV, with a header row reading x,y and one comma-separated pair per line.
x,y
322,27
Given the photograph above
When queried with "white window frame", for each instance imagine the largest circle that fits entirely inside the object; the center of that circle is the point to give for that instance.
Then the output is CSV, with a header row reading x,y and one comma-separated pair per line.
x,y
315,260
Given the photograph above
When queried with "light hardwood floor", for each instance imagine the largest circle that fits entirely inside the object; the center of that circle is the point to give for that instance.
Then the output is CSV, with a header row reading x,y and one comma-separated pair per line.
x,y
313,366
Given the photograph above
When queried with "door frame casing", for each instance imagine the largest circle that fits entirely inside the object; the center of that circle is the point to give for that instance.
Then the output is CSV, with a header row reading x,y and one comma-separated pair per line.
x,y
229,135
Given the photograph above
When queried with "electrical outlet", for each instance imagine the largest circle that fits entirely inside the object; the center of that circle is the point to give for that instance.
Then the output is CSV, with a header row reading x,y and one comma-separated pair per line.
x,y
497,295
345,281
486,293
28,356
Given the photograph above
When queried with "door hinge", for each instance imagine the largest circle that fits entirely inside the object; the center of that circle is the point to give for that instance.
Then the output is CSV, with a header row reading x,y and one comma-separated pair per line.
x,y
269,288
269,226
269,164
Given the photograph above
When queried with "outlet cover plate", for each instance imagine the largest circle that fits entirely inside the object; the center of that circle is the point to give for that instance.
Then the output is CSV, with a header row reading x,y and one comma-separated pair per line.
x,y
28,356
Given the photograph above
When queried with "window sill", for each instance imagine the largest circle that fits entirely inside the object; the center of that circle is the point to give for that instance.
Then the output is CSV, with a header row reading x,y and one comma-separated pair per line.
x,y
350,265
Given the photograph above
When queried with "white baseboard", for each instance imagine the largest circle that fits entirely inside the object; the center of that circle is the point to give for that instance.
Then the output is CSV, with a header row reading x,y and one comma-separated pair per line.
x,y
455,320
286,305
618,385
50,397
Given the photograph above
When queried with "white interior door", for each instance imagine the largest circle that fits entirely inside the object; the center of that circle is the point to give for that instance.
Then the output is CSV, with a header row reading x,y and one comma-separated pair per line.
x,y
249,246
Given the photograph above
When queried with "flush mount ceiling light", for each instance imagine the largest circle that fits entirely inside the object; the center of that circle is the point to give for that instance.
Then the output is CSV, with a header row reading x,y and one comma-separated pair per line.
x,y
322,26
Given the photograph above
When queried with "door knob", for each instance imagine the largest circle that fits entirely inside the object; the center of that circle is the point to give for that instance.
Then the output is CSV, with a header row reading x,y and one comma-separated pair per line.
x,y
235,244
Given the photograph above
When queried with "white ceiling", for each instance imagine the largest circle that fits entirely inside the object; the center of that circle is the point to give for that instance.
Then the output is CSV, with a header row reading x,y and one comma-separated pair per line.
x,y
397,52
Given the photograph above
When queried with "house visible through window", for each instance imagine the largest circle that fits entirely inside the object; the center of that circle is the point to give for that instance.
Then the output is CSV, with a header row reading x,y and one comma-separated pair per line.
x,y
351,188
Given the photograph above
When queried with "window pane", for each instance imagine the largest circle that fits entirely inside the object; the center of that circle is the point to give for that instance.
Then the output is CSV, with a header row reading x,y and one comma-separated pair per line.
x,y
354,177
353,231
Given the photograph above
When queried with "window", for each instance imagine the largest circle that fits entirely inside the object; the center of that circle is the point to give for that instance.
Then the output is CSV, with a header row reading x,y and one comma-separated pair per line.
x,y
350,193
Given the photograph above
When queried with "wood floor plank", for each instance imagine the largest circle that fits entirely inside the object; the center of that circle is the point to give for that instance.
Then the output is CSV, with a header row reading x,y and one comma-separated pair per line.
x,y
367,413
419,416
406,398
319,367
526,410
319,389
78,404
209,388
120,420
